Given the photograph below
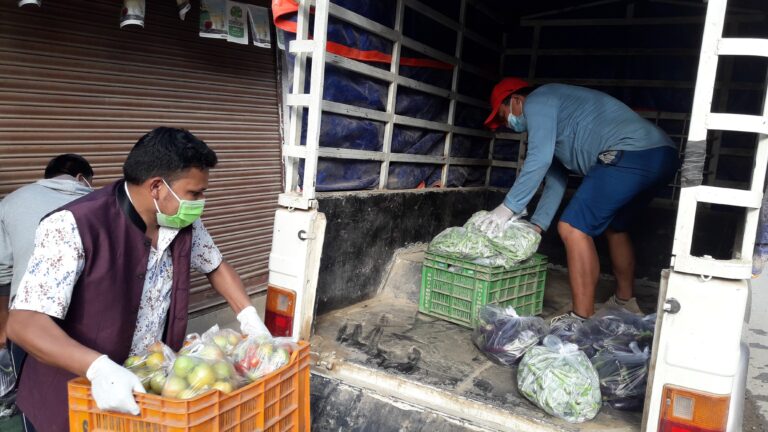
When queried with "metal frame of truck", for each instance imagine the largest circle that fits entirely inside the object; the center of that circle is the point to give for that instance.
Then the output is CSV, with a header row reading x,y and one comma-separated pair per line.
x,y
698,362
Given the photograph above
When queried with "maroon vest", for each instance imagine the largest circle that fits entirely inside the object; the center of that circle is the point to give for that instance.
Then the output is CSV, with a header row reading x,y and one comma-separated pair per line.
x,y
105,299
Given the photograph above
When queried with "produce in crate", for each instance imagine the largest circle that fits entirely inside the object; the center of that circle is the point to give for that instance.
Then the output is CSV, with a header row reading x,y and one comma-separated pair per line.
x,y
623,373
257,356
462,243
226,339
518,241
152,367
559,379
199,367
503,336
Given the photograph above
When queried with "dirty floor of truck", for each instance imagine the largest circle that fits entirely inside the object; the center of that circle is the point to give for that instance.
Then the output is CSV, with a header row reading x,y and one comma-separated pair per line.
x,y
386,343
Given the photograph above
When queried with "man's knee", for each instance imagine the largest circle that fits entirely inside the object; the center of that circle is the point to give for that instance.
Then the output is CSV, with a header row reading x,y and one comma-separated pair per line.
x,y
567,231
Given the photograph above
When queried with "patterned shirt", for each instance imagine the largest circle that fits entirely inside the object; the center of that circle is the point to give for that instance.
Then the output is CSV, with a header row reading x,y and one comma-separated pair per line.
x,y
58,260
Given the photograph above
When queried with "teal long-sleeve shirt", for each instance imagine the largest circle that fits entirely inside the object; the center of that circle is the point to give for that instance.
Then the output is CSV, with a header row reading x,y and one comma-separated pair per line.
x,y
568,127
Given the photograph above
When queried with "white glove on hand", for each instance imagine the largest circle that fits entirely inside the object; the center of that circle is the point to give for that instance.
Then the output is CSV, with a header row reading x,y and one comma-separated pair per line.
x,y
113,385
251,324
493,223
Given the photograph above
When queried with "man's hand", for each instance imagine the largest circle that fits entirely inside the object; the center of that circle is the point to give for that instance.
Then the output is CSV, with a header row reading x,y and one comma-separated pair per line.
x,y
251,324
113,385
493,223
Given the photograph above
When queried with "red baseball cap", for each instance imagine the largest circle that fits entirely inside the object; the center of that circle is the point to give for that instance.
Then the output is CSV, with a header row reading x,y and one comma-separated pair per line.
x,y
504,88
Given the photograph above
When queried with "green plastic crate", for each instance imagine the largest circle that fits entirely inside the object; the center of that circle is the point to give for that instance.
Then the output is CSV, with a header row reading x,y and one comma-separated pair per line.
x,y
455,289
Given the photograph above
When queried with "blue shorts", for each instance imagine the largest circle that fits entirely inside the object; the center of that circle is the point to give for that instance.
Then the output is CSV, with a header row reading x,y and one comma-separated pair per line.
x,y
613,193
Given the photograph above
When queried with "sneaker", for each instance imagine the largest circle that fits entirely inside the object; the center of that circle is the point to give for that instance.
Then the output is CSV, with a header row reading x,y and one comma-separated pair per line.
x,y
568,316
630,305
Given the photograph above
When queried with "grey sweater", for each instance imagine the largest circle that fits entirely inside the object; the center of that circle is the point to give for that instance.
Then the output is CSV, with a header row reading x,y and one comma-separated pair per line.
x,y
20,213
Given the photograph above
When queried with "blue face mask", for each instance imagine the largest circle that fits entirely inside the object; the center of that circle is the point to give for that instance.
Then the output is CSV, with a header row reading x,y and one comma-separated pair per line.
x,y
517,123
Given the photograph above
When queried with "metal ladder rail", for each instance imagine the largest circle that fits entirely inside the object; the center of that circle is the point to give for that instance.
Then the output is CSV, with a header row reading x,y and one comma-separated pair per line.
x,y
715,45
298,100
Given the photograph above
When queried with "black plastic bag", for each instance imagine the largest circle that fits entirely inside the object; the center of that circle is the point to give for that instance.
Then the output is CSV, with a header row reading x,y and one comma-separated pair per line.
x,y
610,325
503,336
623,373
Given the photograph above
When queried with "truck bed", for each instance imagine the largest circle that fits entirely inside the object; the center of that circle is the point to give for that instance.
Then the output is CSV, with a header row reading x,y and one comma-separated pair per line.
x,y
386,346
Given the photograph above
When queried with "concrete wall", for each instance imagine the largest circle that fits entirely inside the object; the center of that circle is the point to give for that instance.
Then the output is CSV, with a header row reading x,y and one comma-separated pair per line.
x,y
364,230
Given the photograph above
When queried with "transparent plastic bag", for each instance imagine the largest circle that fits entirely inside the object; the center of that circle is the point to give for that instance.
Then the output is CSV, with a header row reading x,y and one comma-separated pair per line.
x,y
257,356
623,373
609,325
152,367
518,240
462,243
226,339
560,379
503,336
573,331
495,261
199,367
7,385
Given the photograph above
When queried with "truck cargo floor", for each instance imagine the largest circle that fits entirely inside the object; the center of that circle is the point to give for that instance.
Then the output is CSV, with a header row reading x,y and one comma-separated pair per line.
x,y
384,344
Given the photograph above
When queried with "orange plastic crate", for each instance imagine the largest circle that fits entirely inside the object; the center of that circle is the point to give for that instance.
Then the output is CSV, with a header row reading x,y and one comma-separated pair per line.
x,y
279,402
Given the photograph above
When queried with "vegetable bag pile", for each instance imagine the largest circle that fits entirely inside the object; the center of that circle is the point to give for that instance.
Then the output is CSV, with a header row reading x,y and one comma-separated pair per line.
x,y
516,242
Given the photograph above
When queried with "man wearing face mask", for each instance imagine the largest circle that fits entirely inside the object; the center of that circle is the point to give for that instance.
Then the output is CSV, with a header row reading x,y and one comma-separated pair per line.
x,y
110,274
624,160
66,178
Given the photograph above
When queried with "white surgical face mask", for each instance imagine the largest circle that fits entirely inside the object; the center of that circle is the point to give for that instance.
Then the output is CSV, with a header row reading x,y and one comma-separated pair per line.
x,y
517,123
87,184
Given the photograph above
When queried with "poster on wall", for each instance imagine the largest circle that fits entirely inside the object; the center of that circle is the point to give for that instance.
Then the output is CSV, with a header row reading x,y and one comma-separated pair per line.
x,y
213,19
259,22
237,30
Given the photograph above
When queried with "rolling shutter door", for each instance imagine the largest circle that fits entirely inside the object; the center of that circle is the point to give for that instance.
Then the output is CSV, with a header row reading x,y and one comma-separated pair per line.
x,y
74,82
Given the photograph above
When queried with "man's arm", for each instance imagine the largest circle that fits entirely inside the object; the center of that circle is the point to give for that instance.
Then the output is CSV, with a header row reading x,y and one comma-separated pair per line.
x,y
6,276
45,292
227,282
43,339
554,189
6,257
207,259
542,134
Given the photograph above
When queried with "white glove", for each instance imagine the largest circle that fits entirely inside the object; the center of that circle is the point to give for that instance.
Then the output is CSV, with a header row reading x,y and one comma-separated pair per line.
x,y
493,223
251,324
113,385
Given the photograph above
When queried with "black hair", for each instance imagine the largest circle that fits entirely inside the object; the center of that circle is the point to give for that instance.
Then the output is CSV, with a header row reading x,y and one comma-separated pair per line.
x,y
69,164
166,152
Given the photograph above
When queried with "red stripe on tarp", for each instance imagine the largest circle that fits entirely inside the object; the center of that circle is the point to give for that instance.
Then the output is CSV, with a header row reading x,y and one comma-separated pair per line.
x,y
281,9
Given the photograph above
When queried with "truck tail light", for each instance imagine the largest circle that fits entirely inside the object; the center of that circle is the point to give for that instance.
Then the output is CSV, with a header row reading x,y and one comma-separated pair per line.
x,y
281,304
685,410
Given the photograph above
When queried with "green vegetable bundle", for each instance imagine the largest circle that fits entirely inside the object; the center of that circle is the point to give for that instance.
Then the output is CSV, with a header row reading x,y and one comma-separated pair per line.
x,y
462,243
560,379
517,242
